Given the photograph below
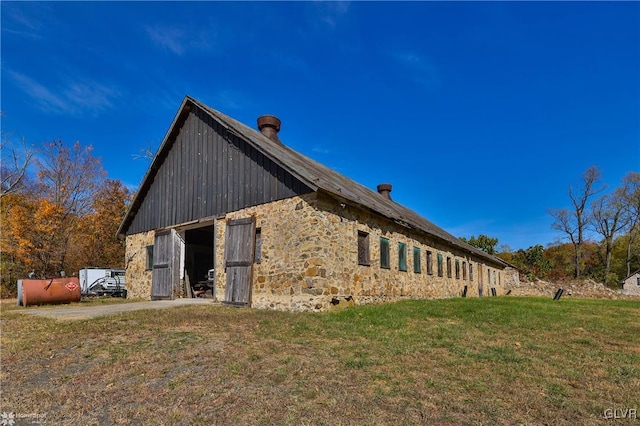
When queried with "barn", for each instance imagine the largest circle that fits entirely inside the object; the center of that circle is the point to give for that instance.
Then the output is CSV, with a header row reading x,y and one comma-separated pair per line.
x,y
264,226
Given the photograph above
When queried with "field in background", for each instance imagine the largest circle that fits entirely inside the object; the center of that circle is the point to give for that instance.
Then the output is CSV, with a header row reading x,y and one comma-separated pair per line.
x,y
503,360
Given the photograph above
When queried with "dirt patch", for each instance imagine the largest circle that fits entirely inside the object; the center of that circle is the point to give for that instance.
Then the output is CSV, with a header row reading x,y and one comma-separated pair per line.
x,y
75,312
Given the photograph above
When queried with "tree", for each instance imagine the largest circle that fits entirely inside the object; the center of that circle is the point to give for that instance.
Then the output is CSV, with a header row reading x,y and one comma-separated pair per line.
x,y
96,240
38,225
484,243
630,193
608,218
69,178
14,166
562,257
574,222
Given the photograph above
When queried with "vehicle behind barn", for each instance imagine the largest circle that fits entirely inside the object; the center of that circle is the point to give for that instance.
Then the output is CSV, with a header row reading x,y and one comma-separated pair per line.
x,y
102,282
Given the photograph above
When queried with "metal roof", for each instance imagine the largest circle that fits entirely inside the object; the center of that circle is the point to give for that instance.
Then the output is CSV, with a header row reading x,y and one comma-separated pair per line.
x,y
315,175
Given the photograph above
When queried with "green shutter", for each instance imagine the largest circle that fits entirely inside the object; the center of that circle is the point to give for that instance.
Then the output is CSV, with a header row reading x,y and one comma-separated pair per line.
x,y
402,256
384,253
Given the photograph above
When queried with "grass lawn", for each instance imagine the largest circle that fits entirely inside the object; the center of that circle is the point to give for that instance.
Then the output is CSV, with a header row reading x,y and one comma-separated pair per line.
x,y
504,361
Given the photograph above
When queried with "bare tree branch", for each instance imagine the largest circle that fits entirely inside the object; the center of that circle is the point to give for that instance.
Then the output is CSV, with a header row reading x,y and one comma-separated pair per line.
x,y
14,166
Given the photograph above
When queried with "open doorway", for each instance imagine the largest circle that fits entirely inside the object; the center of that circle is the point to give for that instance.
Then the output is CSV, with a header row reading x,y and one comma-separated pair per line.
x,y
199,260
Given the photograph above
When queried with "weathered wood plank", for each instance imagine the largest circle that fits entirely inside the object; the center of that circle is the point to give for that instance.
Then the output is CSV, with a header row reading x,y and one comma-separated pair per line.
x,y
207,172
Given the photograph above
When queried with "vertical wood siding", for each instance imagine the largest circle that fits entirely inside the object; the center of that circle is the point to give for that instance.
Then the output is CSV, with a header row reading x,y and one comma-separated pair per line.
x,y
207,172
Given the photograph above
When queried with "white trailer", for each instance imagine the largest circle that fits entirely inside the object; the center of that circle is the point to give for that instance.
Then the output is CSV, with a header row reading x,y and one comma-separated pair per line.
x,y
102,282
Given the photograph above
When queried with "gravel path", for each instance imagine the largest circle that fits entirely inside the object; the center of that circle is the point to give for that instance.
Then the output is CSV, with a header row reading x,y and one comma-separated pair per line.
x,y
86,312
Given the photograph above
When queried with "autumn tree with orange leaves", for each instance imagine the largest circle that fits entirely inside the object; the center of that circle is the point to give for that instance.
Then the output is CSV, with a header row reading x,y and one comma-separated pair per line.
x,y
63,220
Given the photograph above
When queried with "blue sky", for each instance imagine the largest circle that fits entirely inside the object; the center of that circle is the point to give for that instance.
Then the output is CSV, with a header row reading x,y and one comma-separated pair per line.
x,y
480,114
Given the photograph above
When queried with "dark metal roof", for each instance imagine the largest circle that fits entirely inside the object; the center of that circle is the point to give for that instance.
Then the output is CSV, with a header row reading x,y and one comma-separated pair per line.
x,y
315,175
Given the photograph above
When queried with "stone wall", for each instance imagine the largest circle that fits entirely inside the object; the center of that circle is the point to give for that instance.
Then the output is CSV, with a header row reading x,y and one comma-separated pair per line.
x,y
630,286
137,275
309,258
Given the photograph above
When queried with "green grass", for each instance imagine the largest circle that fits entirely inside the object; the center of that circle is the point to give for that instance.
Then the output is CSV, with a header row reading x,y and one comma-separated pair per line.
x,y
469,361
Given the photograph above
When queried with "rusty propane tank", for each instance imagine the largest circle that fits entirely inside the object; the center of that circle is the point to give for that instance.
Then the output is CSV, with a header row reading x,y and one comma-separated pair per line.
x,y
50,291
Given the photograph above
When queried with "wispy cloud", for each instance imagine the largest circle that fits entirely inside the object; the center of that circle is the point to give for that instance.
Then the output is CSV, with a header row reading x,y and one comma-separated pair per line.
x,y
418,67
74,97
19,21
331,12
320,149
179,40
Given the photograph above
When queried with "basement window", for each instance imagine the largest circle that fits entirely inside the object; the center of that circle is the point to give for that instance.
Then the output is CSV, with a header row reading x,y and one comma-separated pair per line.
x,y
416,261
448,267
363,248
402,256
429,263
149,258
384,253
457,269
257,256
439,265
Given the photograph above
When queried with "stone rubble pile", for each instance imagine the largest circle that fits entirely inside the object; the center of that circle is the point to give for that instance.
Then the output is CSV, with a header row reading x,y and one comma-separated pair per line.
x,y
587,288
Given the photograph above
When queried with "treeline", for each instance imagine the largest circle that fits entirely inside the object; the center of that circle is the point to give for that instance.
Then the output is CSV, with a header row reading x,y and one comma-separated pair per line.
x,y
601,230
556,262
59,213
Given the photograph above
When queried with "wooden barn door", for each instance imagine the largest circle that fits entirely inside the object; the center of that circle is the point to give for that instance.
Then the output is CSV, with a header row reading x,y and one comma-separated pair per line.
x,y
165,281
238,261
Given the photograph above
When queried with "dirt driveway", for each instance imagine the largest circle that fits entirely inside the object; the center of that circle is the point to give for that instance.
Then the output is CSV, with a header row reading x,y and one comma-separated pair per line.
x,y
86,312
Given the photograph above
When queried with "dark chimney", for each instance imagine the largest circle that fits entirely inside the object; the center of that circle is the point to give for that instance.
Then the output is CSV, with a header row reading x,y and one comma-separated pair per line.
x,y
269,125
385,190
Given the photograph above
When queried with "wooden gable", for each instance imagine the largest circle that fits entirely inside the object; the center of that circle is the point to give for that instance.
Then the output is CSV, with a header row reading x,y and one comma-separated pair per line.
x,y
203,170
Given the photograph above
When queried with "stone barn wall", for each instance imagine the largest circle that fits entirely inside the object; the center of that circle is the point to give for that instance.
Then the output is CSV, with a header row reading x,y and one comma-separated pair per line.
x,y
137,275
309,258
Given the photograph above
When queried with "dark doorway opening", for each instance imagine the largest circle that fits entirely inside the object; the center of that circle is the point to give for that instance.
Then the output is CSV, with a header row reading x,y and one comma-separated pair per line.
x,y
199,260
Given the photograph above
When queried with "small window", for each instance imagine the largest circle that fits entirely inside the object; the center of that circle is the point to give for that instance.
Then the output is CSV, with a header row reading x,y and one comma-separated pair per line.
x,y
363,248
416,261
149,257
638,280
488,276
448,267
464,270
257,258
384,253
457,269
429,263
439,265
494,278
470,271
402,256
